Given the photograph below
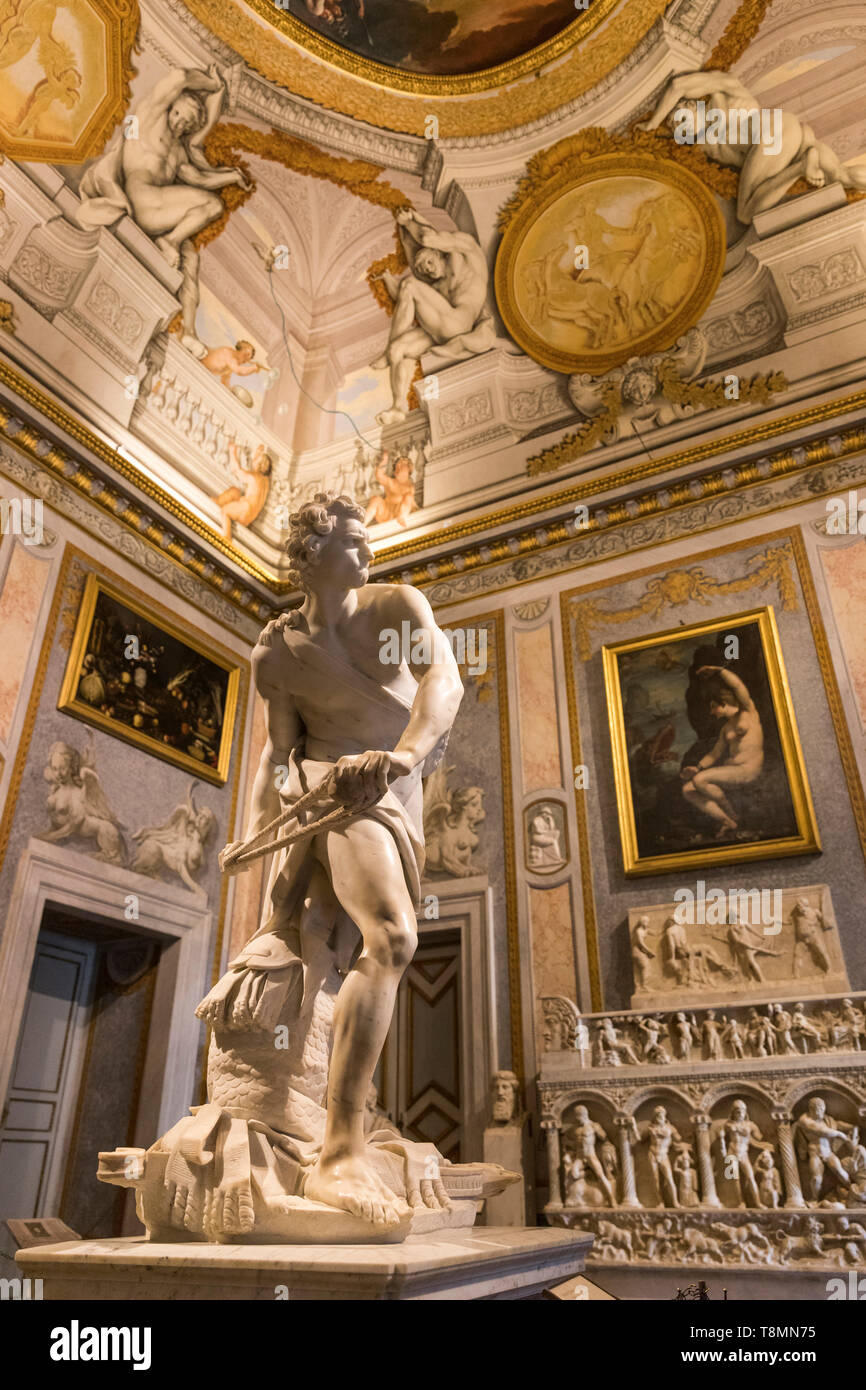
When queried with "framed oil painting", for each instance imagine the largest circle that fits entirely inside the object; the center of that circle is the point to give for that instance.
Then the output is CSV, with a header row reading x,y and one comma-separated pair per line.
x,y
707,758
147,681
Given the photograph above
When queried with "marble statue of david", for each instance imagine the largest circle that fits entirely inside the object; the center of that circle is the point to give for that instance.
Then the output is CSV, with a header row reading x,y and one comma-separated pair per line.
x,y
300,1017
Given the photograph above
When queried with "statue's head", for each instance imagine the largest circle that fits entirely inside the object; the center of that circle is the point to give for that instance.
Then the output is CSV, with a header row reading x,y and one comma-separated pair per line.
x,y
639,386
817,1108
581,1115
186,115
245,350
403,469
660,1114
504,1095
328,542
65,762
429,264
738,1110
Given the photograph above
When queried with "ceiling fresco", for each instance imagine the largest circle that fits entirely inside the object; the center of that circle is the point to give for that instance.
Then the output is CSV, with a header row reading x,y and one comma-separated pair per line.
x,y
440,38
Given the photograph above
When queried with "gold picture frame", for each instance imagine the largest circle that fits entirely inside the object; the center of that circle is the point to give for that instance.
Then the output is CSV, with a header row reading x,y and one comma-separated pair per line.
x,y
165,692
397,79
586,326
661,828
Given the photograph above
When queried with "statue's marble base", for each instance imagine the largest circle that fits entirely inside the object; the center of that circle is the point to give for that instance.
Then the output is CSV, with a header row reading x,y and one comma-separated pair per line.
x,y
493,1263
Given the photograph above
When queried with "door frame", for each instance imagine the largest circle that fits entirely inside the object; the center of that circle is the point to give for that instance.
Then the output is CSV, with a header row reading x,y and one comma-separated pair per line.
x,y
467,905
49,875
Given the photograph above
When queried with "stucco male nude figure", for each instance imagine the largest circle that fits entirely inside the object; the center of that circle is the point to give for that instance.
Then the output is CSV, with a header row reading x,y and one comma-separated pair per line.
x,y
439,305
735,760
160,174
765,174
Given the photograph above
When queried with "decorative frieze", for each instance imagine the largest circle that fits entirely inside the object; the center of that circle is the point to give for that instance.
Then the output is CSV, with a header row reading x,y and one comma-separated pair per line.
x,y
681,1141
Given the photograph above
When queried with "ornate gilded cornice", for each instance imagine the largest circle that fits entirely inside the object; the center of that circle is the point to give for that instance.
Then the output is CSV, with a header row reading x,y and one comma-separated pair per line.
x,y
528,535
173,541
391,557
399,80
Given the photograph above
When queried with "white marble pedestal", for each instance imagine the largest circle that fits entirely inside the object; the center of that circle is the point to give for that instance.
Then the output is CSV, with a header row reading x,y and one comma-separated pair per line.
x,y
487,1263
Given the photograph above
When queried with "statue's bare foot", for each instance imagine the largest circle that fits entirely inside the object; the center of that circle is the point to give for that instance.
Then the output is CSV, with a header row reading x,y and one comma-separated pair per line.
x,y
391,417
169,250
380,363
352,1185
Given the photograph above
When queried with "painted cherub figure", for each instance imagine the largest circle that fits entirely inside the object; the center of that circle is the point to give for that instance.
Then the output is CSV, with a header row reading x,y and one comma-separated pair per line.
x,y
398,501
243,504
226,362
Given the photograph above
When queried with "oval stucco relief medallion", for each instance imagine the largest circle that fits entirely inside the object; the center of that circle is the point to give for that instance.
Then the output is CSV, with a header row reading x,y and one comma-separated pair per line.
x,y
615,261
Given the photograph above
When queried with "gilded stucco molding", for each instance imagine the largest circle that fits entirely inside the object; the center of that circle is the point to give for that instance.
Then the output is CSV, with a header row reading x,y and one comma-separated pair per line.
x,y
398,79
671,590
648,520
172,541
530,540
512,101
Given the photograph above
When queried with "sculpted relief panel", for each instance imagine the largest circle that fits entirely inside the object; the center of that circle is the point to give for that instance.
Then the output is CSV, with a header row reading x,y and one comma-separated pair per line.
x,y
726,945
744,1133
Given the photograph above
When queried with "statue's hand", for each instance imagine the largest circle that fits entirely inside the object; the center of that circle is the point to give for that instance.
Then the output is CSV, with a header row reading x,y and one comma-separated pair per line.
x,y
404,216
225,858
363,779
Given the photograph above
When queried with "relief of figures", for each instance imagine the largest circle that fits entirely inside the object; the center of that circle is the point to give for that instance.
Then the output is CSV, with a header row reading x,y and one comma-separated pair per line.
x,y
767,1031
451,816
733,952
588,281
546,837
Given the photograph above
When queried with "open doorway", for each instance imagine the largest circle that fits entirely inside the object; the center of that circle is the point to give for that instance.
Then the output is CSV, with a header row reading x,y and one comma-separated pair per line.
x,y
76,1079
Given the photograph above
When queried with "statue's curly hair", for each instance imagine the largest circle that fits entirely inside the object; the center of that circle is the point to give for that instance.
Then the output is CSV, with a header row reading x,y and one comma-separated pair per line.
x,y
309,528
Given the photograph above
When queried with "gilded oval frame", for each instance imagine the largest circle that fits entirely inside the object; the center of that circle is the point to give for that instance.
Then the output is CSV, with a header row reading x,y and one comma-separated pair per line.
x,y
429,84
536,203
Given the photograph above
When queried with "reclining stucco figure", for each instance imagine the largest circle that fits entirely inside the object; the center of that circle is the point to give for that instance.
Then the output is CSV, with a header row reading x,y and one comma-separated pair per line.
x,y
299,1019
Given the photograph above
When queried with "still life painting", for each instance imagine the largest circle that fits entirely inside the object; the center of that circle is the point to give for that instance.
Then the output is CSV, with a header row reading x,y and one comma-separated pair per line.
x,y
144,680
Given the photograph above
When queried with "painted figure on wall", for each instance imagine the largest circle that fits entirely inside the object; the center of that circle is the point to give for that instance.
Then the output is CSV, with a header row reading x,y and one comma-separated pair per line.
x,y
77,805
244,503
397,499
736,758
701,735
787,150
27,27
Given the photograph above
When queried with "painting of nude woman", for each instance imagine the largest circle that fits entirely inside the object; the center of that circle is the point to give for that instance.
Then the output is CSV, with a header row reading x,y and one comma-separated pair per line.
x,y
707,758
